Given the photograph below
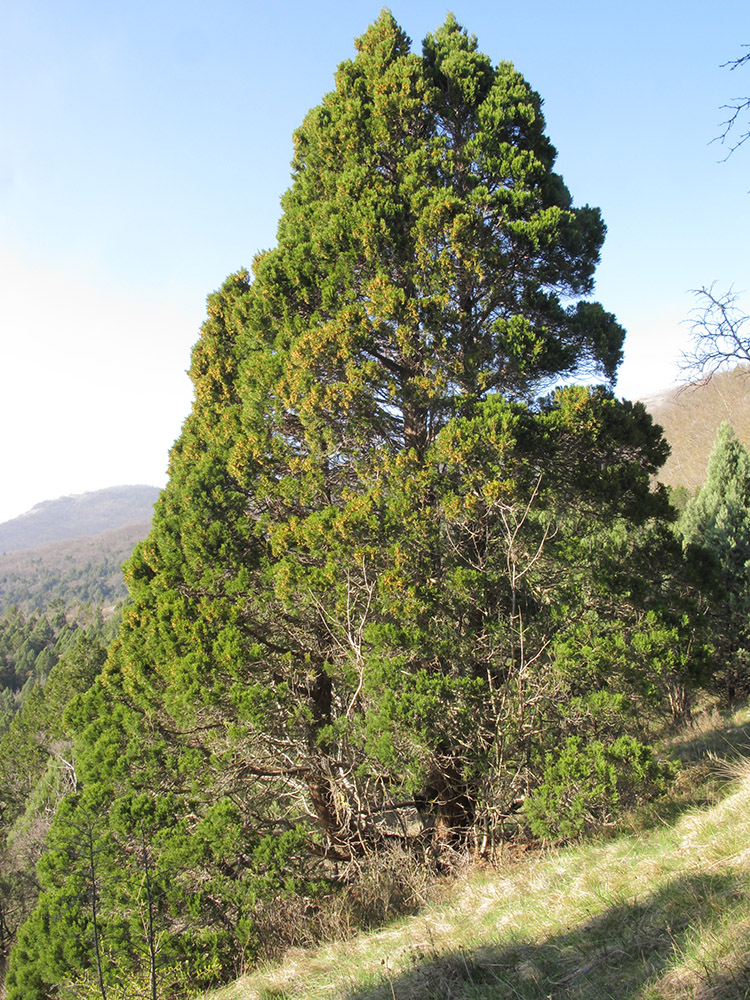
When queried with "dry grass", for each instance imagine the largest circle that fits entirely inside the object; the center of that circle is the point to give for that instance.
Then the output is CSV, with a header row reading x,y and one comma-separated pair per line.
x,y
659,913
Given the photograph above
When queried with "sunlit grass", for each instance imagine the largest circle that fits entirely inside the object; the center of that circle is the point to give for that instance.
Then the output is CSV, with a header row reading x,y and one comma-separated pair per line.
x,y
659,912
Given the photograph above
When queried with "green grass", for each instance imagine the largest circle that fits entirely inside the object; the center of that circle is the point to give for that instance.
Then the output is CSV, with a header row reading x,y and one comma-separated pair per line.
x,y
659,910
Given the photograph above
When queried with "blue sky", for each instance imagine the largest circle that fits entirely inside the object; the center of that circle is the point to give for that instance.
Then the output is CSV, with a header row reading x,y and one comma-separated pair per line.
x,y
144,148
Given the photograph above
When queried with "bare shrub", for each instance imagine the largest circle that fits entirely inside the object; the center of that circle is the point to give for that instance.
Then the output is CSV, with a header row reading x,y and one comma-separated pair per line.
x,y
368,892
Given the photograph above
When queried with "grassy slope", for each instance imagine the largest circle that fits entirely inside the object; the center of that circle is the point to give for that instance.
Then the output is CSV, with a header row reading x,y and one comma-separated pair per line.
x,y
661,910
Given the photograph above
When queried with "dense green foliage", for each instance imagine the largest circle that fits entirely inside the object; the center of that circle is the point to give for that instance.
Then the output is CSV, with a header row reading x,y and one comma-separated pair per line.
x,y
717,521
48,661
388,576
584,785
31,645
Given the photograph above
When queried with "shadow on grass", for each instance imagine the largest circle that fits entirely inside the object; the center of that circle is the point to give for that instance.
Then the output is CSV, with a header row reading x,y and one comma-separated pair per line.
x,y
706,758
616,954
725,742
731,984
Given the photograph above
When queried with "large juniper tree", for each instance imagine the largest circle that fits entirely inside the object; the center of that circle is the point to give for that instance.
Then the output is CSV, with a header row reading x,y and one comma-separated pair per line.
x,y
379,559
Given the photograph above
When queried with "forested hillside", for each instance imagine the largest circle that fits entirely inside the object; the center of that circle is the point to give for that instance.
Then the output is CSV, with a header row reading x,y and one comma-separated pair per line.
x,y
59,610
79,571
46,659
72,549
412,590
691,415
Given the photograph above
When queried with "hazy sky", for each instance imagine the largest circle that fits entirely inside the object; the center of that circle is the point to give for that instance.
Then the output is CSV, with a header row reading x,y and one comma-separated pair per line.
x,y
144,147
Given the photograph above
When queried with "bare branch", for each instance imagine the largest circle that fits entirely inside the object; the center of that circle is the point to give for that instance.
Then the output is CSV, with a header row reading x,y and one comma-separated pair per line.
x,y
734,63
720,334
737,108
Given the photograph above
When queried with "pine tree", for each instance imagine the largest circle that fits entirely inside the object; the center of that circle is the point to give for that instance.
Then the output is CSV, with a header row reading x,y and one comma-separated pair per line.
x,y
362,418
718,517
425,250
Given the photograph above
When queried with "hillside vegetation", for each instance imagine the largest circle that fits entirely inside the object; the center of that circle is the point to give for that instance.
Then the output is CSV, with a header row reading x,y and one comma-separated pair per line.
x,y
691,415
72,549
659,911
79,571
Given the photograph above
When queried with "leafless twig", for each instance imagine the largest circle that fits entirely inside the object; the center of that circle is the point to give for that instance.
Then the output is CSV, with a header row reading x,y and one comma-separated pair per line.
x,y
737,108
720,334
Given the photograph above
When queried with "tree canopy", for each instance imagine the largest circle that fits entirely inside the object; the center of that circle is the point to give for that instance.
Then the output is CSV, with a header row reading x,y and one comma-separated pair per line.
x,y
428,254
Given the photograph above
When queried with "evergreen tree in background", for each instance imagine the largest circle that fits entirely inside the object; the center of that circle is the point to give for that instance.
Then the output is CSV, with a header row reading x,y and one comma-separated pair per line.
x,y
386,577
37,769
717,519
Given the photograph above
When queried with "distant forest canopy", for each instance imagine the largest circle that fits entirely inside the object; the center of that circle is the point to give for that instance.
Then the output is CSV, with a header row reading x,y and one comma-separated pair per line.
x,y
32,644
79,571
46,660
73,548
402,600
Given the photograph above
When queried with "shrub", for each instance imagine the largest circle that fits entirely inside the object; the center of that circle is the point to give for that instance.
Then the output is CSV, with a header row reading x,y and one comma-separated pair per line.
x,y
585,785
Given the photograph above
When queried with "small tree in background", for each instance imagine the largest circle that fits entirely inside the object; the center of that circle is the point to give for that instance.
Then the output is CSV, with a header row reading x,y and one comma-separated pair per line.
x,y
718,520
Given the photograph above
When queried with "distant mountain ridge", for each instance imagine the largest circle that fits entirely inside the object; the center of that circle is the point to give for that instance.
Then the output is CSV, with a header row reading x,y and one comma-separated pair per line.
x,y
85,570
78,516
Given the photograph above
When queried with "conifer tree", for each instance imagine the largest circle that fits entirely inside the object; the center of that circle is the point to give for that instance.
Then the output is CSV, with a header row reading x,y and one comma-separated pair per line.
x,y
717,520
377,539
421,289
718,517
